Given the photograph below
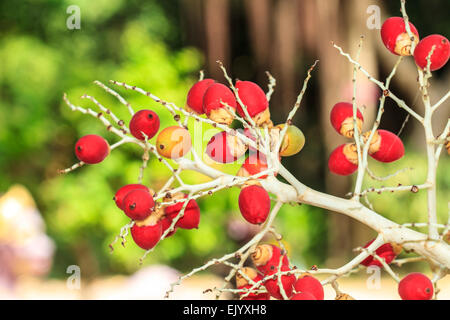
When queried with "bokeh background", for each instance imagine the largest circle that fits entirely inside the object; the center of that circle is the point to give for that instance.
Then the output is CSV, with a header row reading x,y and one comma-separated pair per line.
x,y
56,221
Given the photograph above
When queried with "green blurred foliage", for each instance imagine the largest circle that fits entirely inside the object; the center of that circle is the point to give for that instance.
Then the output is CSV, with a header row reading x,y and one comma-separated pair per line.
x,y
407,206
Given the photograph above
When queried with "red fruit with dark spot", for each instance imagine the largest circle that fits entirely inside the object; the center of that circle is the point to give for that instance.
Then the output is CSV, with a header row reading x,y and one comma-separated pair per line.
x,y
138,204
440,54
196,93
146,237
386,146
303,296
385,251
225,148
308,284
415,286
254,203
341,117
252,96
343,160
287,282
266,258
91,149
214,99
123,191
144,122
395,37
191,216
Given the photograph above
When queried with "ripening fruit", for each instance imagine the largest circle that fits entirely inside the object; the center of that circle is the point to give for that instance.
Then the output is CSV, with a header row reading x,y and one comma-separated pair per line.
x,y
225,148
415,286
254,164
138,204
254,98
306,283
144,123
146,236
266,258
302,296
386,251
242,283
440,54
293,141
91,149
123,191
287,282
395,36
191,216
213,100
341,117
173,142
195,95
254,204
385,146
344,160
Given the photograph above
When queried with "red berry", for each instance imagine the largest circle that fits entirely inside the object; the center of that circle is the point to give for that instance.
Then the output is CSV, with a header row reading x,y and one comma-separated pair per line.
x,y
303,296
308,284
242,283
254,164
138,204
395,36
123,191
146,237
191,216
266,258
144,122
254,98
385,146
385,251
343,160
440,54
213,100
196,93
341,117
225,148
91,149
415,286
287,282
254,203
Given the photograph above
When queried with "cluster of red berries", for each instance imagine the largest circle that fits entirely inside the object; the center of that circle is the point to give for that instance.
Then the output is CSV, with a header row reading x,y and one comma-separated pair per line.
x,y
396,39
136,200
267,259
214,100
151,218
384,146
172,142
219,104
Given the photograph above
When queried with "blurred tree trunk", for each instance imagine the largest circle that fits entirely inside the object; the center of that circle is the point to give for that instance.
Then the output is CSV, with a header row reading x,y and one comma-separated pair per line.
x,y
217,35
260,32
